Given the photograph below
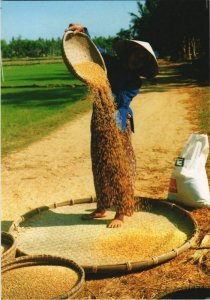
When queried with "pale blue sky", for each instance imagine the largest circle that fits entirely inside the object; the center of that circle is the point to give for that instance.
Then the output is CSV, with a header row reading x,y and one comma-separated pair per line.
x,y
47,19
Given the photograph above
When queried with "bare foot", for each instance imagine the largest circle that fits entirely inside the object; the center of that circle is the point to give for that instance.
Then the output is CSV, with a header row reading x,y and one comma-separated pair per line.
x,y
117,221
96,214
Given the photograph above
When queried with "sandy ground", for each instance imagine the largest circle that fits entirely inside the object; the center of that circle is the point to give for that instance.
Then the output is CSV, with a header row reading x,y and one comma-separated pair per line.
x,y
58,167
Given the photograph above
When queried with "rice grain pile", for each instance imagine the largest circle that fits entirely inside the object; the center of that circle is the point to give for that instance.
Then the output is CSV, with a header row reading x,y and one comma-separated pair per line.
x,y
113,160
37,282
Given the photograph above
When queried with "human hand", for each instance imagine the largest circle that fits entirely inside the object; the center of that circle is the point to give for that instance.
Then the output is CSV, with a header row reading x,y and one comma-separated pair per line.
x,y
76,28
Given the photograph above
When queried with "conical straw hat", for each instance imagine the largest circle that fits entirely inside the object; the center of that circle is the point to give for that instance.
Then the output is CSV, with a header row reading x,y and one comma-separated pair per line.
x,y
78,48
123,49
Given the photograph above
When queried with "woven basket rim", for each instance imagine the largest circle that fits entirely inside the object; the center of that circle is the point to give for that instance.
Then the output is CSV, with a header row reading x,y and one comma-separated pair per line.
x,y
66,59
129,266
37,260
183,288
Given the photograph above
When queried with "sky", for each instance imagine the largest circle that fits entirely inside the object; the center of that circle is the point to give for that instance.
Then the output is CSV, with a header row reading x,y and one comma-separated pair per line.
x,y
48,19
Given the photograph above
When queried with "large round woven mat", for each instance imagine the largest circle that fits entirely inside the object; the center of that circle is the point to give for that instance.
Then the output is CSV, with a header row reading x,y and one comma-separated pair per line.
x,y
153,230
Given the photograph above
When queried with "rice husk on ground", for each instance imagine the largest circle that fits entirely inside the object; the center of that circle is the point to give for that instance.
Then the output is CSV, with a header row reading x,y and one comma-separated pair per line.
x,y
37,282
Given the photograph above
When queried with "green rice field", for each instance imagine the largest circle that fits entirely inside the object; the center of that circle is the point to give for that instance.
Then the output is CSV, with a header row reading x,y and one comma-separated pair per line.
x,y
41,74
37,99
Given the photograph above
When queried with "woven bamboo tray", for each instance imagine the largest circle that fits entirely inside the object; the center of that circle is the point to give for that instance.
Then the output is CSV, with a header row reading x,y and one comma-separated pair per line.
x,y
78,48
9,254
31,262
189,292
58,228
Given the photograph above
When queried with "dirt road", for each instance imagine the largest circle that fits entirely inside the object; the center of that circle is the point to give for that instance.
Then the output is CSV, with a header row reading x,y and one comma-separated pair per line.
x,y
58,167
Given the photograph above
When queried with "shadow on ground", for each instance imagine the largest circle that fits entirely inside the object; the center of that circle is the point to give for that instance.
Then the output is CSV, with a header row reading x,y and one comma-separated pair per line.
x,y
174,75
43,97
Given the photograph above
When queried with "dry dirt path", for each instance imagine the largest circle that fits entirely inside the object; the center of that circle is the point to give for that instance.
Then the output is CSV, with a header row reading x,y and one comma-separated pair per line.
x,y
58,167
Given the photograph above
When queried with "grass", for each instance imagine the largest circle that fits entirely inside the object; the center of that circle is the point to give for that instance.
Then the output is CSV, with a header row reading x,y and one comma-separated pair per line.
x,y
42,74
37,99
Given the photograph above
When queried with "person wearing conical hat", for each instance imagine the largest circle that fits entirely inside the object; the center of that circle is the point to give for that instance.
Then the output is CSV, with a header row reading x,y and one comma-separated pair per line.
x,y
133,60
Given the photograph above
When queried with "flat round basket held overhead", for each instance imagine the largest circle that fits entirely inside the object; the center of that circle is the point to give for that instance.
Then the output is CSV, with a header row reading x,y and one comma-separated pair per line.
x,y
189,292
158,231
41,277
8,247
77,48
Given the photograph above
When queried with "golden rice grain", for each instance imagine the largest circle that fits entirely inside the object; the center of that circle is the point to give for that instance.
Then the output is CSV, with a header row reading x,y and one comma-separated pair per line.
x,y
37,282
133,246
92,73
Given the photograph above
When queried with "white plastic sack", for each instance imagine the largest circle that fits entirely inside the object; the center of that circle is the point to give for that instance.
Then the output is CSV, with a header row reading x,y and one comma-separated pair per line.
x,y
189,183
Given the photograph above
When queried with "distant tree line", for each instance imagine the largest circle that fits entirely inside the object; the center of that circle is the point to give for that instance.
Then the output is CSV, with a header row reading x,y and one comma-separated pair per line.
x,y
19,47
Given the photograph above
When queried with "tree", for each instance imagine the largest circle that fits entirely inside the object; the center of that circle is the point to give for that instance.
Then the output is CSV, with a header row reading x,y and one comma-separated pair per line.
x,y
19,47
125,34
5,50
176,28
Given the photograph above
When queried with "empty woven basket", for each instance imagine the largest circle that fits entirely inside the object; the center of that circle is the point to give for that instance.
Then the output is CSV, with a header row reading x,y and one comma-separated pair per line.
x,y
78,48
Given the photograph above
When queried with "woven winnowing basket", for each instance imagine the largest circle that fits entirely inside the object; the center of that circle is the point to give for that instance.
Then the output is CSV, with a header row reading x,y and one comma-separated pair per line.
x,y
78,48
9,254
49,260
